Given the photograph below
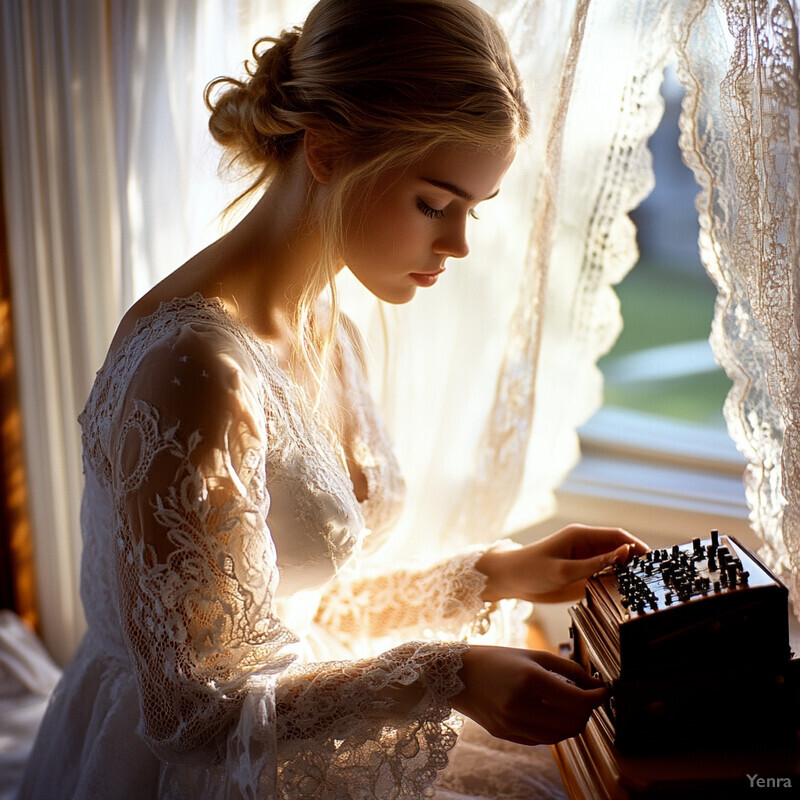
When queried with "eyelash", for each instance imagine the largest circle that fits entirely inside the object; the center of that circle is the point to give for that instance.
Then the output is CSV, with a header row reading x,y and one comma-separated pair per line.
x,y
437,213
431,213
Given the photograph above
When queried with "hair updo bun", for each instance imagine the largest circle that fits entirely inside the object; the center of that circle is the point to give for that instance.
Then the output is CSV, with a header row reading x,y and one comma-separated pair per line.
x,y
254,119
382,81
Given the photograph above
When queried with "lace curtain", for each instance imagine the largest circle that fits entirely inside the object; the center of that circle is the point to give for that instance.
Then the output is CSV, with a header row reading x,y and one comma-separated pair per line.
x,y
110,182
739,133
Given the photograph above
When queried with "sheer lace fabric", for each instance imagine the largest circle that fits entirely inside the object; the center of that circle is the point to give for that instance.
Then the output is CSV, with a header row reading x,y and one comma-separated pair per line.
x,y
207,489
739,63
445,600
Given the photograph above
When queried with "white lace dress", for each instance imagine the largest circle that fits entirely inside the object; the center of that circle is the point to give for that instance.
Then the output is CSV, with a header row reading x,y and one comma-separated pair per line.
x,y
221,584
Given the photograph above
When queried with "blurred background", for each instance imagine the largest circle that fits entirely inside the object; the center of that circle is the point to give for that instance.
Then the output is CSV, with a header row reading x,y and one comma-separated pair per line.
x,y
662,363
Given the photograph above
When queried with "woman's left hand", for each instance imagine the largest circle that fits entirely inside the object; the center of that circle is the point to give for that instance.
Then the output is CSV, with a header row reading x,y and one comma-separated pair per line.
x,y
555,568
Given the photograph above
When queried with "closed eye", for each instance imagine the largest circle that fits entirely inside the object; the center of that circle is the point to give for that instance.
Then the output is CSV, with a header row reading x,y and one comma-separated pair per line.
x,y
432,213
438,213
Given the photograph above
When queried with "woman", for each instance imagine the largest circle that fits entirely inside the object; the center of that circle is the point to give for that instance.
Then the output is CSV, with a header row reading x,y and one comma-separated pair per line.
x,y
237,470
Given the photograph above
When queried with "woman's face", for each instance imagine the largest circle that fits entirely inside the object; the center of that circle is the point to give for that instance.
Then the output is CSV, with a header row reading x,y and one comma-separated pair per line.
x,y
399,236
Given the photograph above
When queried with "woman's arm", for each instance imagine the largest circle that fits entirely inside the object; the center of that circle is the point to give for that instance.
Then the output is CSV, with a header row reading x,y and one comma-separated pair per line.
x,y
197,573
451,594
446,597
555,569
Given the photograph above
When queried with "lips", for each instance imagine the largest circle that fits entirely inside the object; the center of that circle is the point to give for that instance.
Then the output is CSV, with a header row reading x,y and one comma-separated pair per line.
x,y
426,278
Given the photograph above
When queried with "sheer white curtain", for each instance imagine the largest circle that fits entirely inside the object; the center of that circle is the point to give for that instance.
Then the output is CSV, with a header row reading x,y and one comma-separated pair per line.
x,y
61,194
504,351
110,182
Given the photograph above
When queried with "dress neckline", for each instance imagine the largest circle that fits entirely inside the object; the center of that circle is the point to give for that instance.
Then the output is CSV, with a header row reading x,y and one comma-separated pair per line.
x,y
201,302
377,465
217,307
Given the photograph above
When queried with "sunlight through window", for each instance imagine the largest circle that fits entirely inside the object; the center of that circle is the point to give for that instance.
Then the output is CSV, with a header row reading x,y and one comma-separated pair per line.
x,y
662,363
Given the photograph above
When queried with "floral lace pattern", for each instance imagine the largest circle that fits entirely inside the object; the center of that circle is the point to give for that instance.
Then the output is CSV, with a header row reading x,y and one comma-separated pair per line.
x,y
193,437
444,598
370,731
739,134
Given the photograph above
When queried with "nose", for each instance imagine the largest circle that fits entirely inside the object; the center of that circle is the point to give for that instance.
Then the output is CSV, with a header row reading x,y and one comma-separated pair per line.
x,y
452,241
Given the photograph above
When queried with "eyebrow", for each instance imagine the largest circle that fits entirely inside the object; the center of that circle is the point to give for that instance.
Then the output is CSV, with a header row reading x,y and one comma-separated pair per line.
x,y
456,190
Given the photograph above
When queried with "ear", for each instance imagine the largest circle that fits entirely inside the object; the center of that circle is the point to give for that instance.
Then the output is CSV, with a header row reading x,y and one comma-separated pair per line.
x,y
318,156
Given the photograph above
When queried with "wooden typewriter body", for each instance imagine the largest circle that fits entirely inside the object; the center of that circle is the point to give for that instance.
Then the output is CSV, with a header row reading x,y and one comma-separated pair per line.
x,y
694,643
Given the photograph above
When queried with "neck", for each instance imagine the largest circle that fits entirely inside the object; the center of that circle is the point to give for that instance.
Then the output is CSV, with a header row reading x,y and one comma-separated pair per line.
x,y
266,263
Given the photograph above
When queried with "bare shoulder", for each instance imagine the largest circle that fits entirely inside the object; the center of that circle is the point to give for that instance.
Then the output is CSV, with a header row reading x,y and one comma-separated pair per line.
x,y
183,282
143,307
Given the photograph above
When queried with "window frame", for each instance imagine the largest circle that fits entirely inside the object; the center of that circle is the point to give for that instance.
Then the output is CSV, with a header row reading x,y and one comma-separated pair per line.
x,y
665,480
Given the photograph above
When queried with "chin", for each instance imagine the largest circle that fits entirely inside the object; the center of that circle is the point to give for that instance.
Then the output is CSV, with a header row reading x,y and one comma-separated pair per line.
x,y
394,296
398,298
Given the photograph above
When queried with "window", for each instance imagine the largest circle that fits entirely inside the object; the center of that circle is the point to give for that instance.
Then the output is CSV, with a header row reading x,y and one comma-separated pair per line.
x,y
662,362
657,458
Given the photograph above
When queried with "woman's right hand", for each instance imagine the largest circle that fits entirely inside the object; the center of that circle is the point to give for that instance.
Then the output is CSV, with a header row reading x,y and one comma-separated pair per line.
x,y
526,696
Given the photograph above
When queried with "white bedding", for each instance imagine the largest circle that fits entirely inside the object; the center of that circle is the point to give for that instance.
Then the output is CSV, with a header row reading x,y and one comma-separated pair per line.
x,y
27,677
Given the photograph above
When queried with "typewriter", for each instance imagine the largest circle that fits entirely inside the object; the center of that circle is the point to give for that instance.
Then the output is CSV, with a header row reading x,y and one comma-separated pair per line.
x,y
693,642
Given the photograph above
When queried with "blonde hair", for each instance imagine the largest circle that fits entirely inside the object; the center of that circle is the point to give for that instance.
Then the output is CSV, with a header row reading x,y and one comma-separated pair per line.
x,y
382,82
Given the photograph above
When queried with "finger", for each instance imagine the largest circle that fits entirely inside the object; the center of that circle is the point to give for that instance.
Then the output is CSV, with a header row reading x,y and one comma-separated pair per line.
x,y
639,547
570,670
582,679
567,688
550,725
580,569
621,555
555,663
581,702
592,541
541,726
570,698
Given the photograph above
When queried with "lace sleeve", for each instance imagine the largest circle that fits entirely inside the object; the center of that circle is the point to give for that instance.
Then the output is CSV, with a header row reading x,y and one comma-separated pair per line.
x,y
196,564
379,727
445,598
197,574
